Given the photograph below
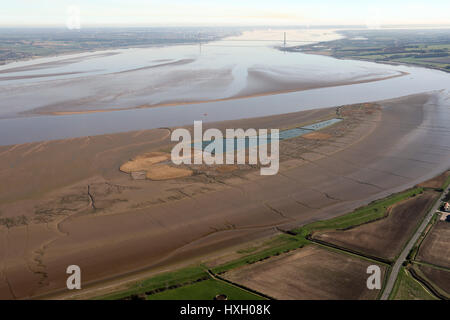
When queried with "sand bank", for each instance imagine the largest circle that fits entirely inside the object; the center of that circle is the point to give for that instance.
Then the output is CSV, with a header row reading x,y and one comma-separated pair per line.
x,y
260,84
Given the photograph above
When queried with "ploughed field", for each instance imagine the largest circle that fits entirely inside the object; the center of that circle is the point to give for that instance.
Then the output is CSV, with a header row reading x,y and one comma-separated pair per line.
x,y
435,249
386,237
439,278
311,272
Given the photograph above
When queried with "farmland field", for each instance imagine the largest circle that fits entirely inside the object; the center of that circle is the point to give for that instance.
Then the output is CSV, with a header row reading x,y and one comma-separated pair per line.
x,y
386,237
308,273
205,290
407,288
435,249
439,278
423,48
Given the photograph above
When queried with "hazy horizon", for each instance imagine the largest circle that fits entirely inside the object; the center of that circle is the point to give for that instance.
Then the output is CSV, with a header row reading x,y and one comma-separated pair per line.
x,y
140,13
324,26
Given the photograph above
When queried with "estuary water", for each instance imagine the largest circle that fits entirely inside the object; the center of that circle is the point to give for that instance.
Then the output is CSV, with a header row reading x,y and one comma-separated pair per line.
x,y
40,99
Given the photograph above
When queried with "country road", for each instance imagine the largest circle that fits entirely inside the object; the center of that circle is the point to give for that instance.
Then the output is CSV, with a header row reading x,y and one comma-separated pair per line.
x,y
402,257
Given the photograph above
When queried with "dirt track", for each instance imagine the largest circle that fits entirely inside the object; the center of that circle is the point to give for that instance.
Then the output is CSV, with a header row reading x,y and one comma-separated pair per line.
x,y
143,224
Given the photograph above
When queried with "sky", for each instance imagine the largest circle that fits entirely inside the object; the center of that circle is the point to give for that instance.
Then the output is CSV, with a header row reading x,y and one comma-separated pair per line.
x,y
223,12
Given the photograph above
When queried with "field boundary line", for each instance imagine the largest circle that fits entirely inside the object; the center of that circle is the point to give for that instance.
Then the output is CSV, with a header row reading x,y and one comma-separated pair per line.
x,y
431,265
237,285
410,246
426,284
353,252
416,229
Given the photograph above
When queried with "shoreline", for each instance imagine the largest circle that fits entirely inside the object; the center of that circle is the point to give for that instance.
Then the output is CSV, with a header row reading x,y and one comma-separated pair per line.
x,y
328,53
131,232
8,62
101,50
392,63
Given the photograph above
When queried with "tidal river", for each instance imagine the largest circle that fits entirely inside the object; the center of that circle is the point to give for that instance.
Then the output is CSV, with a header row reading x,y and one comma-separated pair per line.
x,y
97,93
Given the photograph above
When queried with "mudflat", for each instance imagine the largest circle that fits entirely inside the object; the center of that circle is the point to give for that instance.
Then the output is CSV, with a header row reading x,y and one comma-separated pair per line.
x,y
436,182
259,84
66,202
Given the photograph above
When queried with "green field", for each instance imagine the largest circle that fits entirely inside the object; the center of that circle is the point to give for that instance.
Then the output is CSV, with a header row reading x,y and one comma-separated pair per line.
x,y
185,282
446,184
162,281
407,288
23,43
428,48
281,244
205,290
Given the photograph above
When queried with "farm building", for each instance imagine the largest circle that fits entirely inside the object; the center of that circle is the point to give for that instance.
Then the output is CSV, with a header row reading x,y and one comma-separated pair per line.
x,y
445,217
447,207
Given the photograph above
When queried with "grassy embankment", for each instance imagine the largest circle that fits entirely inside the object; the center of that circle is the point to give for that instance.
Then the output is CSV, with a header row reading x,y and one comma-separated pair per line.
x,y
205,290
407,288
161,282
195,282
413,253
446,184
